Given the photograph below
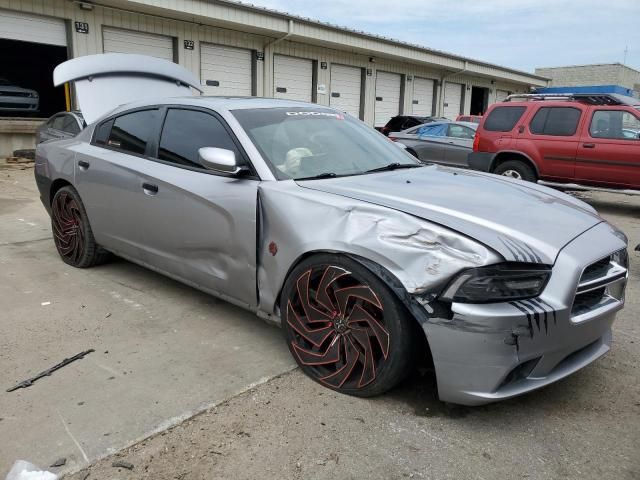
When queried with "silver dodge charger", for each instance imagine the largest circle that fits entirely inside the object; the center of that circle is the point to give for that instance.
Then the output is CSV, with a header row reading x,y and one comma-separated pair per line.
x,y
314,221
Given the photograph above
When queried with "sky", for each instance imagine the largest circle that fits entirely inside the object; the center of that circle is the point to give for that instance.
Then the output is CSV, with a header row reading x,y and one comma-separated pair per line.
x,y
521,34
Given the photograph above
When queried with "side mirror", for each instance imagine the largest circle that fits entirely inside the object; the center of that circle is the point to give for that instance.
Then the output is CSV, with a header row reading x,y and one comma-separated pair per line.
x,y
219,160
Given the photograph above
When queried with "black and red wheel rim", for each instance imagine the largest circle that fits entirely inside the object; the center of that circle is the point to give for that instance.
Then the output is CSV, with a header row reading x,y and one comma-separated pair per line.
x,y
68,231
337,328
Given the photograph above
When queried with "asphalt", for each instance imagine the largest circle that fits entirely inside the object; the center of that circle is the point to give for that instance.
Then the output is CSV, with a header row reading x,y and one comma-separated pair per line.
x,y
165,352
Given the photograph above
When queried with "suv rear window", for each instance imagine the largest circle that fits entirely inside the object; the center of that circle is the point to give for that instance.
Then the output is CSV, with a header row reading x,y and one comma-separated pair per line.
x,y
556,121
503,119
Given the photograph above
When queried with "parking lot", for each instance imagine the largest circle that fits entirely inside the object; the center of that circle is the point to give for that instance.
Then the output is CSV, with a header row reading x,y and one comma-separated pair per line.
x,y
165,352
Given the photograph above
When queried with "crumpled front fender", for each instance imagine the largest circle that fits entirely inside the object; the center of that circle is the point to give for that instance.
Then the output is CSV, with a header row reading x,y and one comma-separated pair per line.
x,y
294,222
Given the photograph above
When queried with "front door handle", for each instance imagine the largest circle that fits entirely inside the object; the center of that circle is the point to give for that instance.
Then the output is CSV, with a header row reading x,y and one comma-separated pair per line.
x,y
83,165
589,145
150,188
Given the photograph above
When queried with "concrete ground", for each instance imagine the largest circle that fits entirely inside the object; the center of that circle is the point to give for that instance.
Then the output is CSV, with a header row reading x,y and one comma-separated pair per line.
x,y
172,350
163,351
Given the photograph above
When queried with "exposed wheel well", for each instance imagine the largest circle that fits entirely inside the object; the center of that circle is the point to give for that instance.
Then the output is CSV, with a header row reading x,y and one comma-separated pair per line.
x,y
507,156
55,186
392,282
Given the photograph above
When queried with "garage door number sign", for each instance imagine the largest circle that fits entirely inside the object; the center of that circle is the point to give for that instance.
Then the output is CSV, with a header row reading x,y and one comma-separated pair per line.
x,y
82,27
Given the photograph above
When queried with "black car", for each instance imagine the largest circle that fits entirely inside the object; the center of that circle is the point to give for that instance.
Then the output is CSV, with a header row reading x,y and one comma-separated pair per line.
x,y
402,122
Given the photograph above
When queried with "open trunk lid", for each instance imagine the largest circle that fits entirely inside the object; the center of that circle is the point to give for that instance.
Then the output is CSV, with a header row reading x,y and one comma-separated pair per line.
x,y
106,81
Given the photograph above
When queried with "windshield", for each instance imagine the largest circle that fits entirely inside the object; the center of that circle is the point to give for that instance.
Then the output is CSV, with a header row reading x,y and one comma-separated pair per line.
x,y
308,142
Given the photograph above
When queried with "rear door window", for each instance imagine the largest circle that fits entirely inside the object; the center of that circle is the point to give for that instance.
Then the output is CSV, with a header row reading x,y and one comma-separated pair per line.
x,y
503,119
70,125
615,124
439,130
460,131
555,121
131,132
186,131
58,122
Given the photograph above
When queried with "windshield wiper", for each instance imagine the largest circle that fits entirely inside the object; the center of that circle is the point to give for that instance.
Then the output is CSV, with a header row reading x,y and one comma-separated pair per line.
x,y
394,166
319,176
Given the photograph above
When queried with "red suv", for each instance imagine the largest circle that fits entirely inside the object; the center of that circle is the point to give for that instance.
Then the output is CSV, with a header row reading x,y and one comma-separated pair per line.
x,y
583,140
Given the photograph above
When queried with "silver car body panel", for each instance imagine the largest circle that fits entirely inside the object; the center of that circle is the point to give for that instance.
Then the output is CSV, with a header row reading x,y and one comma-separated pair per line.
x,y
238,238
477,205
442,149
105,81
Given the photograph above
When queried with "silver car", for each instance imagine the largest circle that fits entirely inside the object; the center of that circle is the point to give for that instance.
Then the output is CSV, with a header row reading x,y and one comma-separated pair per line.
x,y
312,220
15,99
448,143
59,126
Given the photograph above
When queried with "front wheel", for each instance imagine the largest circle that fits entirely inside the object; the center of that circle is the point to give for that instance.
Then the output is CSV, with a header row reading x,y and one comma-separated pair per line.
x,y
516,169
344,327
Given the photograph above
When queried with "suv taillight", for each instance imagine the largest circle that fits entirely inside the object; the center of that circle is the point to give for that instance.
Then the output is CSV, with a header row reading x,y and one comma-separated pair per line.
x,y
476,142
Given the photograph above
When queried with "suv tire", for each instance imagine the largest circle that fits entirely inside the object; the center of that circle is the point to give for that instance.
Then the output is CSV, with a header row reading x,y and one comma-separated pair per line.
x,y
516,169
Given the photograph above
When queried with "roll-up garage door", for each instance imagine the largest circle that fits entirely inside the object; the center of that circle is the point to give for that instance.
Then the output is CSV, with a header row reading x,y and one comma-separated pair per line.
x,y
32,28
452,100
501,95
293,78
387,97
346,86
422,96
225,70
125,41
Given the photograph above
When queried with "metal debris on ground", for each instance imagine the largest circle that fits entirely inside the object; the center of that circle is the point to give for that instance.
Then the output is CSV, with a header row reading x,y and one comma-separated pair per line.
x,y
122,464
59,462
46,373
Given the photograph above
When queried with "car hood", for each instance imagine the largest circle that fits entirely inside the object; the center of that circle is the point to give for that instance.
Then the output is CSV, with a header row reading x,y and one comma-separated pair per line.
x,y
522,221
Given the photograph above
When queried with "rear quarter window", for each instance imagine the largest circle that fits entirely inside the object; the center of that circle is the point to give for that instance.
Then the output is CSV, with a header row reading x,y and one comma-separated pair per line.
x,y
555,121
503,119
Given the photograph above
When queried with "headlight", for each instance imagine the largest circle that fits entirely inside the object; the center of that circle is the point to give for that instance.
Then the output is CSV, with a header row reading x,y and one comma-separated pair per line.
x,y
34,94
498,283
621,257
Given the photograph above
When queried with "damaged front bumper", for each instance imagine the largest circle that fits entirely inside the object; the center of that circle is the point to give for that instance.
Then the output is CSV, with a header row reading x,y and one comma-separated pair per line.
x,y
489,352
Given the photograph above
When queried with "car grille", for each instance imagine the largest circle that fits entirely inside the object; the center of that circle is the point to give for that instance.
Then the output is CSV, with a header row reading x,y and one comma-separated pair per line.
x,y
15,105
15,94
601,283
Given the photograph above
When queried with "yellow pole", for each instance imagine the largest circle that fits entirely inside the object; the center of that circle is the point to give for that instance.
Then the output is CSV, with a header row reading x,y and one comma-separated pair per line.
x,y
67,96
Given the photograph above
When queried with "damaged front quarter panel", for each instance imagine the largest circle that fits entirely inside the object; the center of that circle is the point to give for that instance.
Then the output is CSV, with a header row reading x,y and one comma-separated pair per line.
x,y
294,222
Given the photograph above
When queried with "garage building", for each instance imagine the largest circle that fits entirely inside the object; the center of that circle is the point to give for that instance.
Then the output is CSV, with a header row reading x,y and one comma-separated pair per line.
x,y
240,49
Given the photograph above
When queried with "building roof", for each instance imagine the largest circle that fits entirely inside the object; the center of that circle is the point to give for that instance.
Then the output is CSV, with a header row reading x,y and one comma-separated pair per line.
x,y
421,48
616,64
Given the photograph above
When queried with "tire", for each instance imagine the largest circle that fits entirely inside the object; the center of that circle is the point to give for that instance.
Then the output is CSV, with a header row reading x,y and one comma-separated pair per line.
x,y
72,232
345,328
516,169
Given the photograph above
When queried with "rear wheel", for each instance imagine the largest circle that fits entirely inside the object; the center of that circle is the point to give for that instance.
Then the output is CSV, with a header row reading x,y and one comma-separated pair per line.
x,y
72,233
344,327
516,169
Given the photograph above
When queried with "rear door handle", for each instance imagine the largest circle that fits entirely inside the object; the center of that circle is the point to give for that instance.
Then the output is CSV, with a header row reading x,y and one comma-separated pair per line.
x,y
150,188
83,165
589,145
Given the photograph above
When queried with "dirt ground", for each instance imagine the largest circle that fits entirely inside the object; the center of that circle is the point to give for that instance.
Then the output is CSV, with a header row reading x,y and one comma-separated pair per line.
x,y
585,427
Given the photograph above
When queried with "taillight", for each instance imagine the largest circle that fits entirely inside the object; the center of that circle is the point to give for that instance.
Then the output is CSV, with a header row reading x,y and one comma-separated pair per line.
x,y
476,142
393,139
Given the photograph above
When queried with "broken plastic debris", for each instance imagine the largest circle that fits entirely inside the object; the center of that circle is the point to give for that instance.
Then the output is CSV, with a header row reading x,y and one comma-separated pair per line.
x,y
22,470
